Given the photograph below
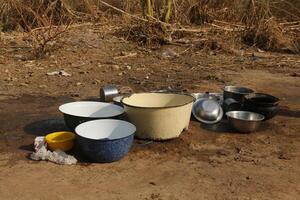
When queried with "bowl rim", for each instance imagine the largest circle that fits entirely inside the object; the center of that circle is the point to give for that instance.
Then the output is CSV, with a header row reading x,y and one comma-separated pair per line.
x,y
235,92
193,99
91,102
118,99
219,118
105,120
261,117
255,95
48,137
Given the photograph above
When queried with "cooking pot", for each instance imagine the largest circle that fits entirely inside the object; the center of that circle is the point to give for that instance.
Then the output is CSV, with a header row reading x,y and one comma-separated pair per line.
x,y
159,116
236,92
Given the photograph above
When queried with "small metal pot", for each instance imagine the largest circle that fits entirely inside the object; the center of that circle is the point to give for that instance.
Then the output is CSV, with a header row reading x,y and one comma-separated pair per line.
x,y
237,93
108,92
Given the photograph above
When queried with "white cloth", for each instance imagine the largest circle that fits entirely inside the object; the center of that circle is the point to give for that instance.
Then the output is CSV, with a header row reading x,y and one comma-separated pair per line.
x,y
58,156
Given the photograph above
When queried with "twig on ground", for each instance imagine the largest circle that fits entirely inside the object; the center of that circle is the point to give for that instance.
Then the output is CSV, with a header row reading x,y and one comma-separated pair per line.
x,y
126,56
290,23
231,24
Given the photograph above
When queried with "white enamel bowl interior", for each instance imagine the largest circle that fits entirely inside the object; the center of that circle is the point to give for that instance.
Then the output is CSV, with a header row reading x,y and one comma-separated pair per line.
x,y
157,100
91,109
105,129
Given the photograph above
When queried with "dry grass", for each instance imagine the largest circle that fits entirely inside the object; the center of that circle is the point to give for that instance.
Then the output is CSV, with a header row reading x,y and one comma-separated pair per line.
x,y
145,33
261,20
39,19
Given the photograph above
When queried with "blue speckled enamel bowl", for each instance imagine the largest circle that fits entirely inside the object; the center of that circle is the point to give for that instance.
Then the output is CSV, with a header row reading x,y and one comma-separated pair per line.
x,y
105,140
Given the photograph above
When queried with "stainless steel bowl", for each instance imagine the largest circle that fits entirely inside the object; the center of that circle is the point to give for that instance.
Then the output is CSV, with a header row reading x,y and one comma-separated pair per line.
x,y
207,111
215,96
244,121
237,93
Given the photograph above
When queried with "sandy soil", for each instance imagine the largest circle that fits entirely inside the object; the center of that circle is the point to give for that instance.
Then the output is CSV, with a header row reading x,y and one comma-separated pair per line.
x,y
201,164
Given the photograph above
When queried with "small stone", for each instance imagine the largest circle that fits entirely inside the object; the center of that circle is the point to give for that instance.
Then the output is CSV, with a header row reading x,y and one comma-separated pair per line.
x,y
126,90
128,67
53,73
75,95
10,79
120,74
96,82
260,50
20,57
184,41
116,67
30,64
147,77
63,73
78,83
152,183
24,84
43,86
294,74
212,53
283,156
169,53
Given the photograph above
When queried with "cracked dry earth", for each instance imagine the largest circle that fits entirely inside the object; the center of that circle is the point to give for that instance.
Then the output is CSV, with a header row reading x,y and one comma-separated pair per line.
x,y
203,163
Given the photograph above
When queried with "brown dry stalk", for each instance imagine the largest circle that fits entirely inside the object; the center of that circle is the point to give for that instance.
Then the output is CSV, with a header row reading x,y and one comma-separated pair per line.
x,y
122,11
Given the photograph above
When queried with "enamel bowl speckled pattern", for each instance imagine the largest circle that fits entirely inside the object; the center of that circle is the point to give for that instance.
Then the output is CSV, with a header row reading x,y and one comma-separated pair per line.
x,y
78,112
105,140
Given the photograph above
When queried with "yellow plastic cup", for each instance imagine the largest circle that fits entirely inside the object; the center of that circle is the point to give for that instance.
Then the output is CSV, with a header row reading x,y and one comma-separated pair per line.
x,y
60,140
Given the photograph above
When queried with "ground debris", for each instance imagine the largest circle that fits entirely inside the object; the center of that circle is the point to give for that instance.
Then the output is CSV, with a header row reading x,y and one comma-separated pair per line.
x,y
61,72
169,53
284,156
294,74
126,90
125,55
24,84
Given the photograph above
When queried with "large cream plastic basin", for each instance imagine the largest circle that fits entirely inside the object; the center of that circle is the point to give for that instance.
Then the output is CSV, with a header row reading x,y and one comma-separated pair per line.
x,y
159,116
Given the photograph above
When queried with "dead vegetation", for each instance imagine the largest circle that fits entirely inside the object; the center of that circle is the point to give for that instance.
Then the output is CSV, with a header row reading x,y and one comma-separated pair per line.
x,y
265,24
43,21
145,33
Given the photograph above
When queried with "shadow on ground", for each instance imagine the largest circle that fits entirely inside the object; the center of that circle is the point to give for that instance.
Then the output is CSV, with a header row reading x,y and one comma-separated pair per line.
x,y
44,127
289,113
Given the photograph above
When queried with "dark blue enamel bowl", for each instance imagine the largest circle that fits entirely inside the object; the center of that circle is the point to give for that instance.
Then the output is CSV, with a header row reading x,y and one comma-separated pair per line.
x,y
79,112
105,140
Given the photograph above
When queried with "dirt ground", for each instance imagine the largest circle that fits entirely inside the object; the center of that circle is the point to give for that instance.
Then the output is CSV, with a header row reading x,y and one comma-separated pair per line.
x,y
203,163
